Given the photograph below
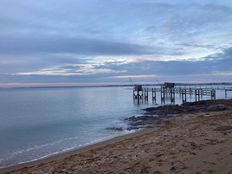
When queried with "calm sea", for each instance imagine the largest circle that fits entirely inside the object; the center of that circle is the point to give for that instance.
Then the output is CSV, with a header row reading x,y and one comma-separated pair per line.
x,y
39,122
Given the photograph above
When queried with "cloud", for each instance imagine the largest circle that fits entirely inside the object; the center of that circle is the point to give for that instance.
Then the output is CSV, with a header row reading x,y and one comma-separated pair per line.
x,y
111,40
71,70
223,73
81,46
141,76
217,64
214,65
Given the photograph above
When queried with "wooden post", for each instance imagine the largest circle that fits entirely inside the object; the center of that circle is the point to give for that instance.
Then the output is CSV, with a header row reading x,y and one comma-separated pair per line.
x,y
213,94
145,94
196,94
154,95
133,94
183,95
141,96
201,93
173,96
190,92
162,93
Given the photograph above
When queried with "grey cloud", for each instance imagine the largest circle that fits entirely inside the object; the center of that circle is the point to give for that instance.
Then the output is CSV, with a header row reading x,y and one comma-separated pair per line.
x,y
214,63
182,69
37,35
82,46
196,45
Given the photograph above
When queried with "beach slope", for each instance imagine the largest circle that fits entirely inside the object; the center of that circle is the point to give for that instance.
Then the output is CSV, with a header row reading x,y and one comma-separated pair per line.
x,y
193,143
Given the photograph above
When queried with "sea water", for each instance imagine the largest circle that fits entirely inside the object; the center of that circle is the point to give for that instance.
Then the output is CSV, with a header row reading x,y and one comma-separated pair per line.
x,y
40,122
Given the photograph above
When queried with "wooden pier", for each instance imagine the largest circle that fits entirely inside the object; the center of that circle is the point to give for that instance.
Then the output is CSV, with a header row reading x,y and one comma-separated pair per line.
x,y
168,93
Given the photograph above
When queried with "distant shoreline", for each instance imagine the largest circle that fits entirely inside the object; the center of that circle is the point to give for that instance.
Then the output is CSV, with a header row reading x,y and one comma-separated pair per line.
x,y
89,86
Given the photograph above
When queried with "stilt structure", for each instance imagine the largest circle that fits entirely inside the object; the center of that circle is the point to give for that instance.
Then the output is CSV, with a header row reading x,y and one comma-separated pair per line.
x,y
138,92
168,92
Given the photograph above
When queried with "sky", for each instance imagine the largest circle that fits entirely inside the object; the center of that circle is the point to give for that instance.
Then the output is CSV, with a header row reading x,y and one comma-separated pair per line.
x,y
98,42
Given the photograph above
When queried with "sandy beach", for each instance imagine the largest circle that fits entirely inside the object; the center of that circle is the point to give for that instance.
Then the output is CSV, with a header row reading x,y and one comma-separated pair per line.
x,y
195,143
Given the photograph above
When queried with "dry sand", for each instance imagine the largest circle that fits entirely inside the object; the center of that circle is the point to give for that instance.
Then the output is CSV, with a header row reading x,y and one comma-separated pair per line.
x,y
190,144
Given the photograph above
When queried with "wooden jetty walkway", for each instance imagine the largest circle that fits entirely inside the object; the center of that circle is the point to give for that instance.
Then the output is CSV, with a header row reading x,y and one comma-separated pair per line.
x,y
168,92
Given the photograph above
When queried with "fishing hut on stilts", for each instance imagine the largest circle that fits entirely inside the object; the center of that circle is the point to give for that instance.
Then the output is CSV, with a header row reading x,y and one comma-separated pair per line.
x,y
169,91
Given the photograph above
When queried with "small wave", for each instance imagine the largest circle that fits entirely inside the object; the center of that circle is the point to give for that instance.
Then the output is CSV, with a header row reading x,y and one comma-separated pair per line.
x,y
35,159
13,155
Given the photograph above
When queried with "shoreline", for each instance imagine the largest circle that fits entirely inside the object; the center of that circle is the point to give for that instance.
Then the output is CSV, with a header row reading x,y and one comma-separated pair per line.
x,y
187,142
60,153
75,151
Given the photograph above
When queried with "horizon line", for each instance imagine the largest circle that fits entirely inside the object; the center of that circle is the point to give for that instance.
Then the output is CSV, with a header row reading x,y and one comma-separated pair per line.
x,y
99,84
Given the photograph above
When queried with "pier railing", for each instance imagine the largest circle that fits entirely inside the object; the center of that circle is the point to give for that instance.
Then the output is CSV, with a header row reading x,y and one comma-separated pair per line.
x,y
170,93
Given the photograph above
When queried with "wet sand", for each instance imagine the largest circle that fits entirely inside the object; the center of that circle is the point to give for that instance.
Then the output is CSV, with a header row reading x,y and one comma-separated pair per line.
x,y
190,143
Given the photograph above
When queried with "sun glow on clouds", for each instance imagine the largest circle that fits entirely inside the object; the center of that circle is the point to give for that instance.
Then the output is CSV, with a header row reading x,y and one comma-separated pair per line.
x,y
191,55
136,76
223,73
71,70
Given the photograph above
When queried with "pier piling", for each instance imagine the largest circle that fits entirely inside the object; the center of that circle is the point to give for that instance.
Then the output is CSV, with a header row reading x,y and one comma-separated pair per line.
x,y
168,93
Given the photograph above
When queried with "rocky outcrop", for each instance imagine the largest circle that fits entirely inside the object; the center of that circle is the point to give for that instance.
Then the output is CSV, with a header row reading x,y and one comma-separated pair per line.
x,y
190,107
153,116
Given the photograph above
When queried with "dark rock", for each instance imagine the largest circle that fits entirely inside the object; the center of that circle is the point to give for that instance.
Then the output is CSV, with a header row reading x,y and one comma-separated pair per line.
x,y
132,128
142,121
141,118
223,128
130,118
145,121
173,168
163,110
115,128
190,107
217,107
